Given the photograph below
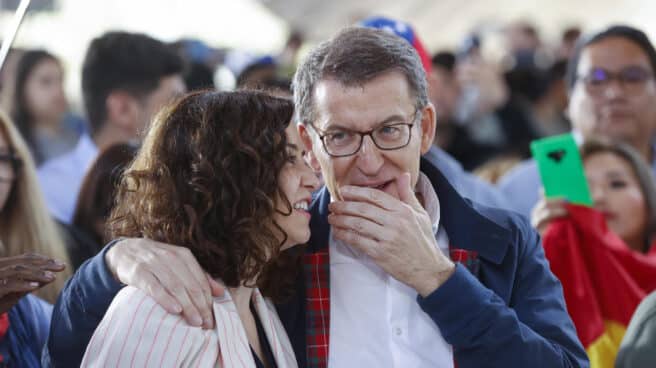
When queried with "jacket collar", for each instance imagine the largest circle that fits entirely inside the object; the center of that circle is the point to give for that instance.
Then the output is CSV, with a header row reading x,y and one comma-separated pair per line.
x,y
458,216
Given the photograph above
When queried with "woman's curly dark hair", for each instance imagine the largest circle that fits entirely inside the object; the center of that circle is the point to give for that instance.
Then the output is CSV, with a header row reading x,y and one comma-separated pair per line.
x,y
206,178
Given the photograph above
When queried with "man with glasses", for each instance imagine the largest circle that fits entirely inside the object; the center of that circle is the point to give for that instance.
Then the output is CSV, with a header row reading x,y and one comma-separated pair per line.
x,y
612,95
400,270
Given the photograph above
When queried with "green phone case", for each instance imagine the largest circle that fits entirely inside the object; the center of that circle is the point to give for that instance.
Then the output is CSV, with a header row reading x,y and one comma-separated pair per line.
x,y
561,168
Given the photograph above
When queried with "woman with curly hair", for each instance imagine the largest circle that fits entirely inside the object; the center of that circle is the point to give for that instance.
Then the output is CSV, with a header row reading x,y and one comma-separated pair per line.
x,y
222,173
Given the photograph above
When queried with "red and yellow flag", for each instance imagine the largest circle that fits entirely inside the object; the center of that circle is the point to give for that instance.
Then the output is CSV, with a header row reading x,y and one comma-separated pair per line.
x,y
603,280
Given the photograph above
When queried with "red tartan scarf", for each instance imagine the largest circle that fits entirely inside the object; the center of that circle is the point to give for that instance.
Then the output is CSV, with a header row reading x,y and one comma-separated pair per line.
x,y
317,302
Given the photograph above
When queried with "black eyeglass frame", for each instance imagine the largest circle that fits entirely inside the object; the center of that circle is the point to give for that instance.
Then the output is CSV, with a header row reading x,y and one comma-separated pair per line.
x,y
323,135
620,76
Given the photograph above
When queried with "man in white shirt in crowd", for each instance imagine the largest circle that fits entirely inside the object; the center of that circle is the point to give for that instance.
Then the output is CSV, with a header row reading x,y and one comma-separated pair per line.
x,y
126,79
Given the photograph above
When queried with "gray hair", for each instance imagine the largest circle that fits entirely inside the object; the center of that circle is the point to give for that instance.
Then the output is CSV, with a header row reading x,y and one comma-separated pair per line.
x,y
353,57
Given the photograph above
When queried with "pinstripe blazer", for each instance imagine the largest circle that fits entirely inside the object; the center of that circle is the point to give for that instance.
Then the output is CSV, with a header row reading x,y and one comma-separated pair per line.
x,y
137,332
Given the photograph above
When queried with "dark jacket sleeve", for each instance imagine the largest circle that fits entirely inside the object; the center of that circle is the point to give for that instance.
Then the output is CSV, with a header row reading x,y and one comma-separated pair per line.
x,y
78,311
532,330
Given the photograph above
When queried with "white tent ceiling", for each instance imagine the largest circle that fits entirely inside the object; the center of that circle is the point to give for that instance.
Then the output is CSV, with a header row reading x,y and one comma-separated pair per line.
x,y
443,23
262,25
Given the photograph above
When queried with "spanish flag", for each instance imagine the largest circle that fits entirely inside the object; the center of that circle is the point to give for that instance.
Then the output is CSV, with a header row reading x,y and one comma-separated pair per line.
x,y
603,280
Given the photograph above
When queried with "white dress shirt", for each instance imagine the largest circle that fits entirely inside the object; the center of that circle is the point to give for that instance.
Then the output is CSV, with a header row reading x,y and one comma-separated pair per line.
x,y
375,320
61,178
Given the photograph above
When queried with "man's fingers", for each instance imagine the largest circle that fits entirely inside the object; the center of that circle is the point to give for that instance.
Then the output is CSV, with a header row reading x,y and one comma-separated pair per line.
x,y
152,286
198,287
169,274
360,209
182,295
362,243
358,225
369,195
406,192
216,287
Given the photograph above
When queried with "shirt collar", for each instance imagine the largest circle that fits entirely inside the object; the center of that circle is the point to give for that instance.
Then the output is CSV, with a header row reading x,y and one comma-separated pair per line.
x,y
431,203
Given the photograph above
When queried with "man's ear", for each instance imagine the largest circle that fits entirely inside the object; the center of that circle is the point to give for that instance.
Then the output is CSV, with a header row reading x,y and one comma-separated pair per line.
x,y
310,157
122,110
305,136
312,161
428,117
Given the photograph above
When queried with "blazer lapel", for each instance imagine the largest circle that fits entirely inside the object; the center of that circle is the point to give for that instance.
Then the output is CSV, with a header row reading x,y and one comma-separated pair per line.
x,y
275,333
233,343
490,241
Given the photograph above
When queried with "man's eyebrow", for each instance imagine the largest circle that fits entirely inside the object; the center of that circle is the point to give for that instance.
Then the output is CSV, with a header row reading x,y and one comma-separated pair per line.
x,y
292,146
396,118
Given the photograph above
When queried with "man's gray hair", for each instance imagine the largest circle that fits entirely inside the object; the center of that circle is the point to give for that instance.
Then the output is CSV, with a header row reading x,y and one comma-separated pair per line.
x,y
353,57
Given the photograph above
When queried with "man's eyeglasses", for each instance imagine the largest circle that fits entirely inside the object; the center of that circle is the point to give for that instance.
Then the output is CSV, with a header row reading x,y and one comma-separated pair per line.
x,y
10,164
389,136
632,79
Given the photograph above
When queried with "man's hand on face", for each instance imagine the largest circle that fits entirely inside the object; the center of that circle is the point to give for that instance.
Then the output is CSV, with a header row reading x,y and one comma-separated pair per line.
x,y
396,234
24,274
169,274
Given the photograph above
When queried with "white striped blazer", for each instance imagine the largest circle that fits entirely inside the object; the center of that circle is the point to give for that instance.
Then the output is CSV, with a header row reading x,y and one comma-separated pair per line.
x,y
137,332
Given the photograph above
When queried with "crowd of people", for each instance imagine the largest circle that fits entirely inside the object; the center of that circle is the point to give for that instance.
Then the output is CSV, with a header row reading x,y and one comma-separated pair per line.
x,y
373,205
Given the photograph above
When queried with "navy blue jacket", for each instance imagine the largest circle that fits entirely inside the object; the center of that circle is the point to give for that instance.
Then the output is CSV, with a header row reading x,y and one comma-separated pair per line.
x,y
511,315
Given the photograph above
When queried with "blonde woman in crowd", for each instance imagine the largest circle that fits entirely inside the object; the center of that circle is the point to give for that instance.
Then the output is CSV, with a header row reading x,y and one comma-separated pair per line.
x,y
28,238
25,224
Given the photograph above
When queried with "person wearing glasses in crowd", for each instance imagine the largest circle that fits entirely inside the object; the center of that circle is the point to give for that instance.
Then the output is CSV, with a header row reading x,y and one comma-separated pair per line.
x,y
612,95
400,270
28,240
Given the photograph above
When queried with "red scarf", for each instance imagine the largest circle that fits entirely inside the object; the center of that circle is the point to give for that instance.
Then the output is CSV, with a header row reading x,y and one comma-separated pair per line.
x,y
317,303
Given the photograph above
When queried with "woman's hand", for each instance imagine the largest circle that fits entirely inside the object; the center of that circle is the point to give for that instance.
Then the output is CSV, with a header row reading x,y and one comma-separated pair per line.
x,y
24,274
546,210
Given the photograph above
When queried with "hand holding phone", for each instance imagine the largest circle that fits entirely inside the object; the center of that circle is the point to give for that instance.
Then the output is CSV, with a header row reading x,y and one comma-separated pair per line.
x,y
561,169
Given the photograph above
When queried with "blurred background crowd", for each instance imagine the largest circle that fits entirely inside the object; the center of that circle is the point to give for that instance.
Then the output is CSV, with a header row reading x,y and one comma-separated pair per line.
x,y
84,78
